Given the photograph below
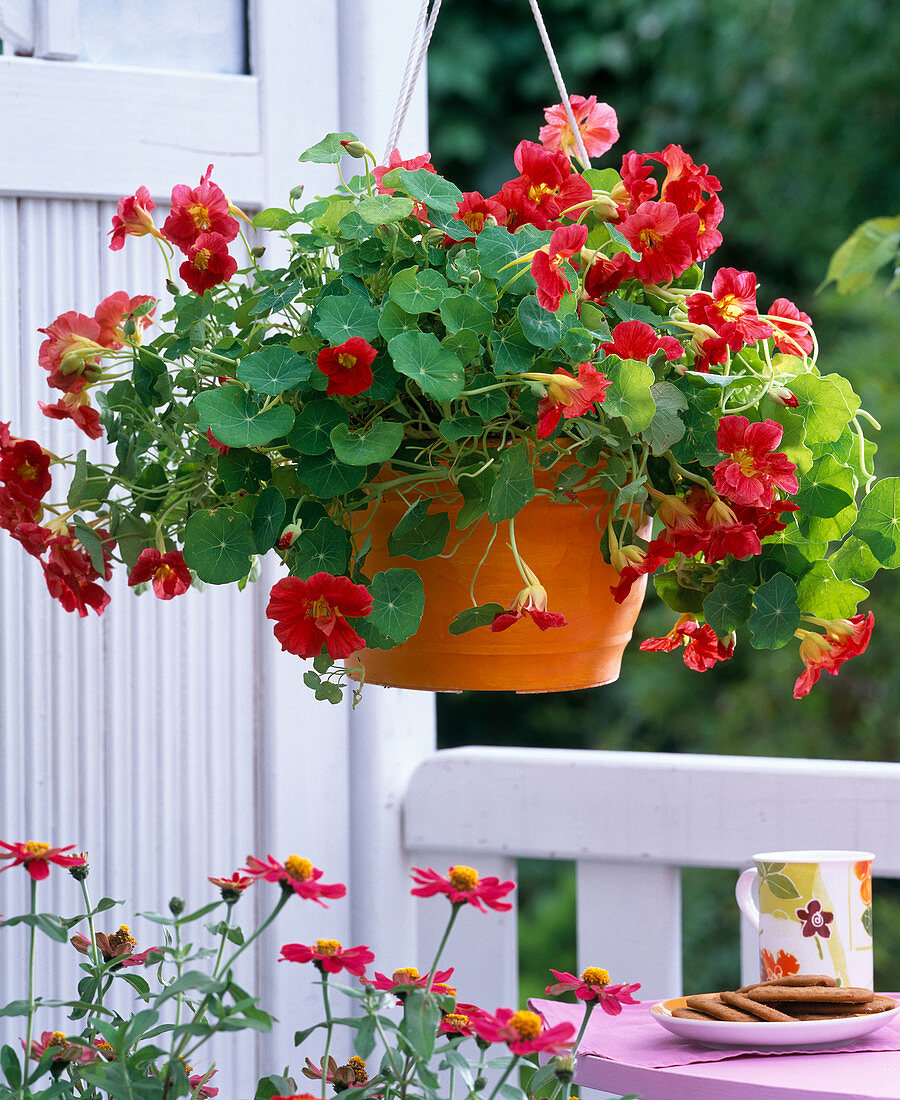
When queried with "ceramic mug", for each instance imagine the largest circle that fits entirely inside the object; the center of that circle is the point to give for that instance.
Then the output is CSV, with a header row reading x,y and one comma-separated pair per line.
x,y
814,914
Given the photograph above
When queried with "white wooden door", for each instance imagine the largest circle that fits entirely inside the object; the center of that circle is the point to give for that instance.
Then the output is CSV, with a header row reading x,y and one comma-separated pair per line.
x,y
172,740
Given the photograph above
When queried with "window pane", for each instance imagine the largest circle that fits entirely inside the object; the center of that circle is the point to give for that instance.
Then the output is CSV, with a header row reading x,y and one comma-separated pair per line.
x,y
207,36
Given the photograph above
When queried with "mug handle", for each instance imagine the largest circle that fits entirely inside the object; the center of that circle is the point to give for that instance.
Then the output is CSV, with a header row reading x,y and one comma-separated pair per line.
x,y
744,896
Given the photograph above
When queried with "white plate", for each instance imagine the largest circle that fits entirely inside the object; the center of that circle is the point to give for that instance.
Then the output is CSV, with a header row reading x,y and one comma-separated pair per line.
x,y
797,1035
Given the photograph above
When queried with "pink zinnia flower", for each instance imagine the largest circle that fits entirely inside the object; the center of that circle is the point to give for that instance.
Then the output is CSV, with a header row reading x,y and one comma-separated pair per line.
x,y
596,122
313,613
408,977
198,211
593,985
548,266
37,857
462,886
63,1051
205,1090
297,873
233,887
168,572
753,469
329,956
523,1032
133,219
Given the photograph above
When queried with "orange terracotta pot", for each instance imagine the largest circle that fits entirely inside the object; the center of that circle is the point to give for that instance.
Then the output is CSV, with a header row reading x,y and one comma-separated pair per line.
x,y
560,542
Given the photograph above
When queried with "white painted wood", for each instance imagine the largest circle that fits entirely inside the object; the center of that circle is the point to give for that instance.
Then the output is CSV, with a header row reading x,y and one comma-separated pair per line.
x,y
632,820
631,914
56,29
17,25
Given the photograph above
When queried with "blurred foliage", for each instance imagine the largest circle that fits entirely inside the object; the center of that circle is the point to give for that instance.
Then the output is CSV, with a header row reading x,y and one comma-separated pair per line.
x,y
794,105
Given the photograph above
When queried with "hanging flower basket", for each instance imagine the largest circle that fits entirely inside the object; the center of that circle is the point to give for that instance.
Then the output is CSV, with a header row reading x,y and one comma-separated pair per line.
x,y
549,352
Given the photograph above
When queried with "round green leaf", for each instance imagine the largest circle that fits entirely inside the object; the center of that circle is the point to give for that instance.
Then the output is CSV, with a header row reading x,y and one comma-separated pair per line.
x,y
514,485
311,433
376,444
237,421
776,615
473,617
431,189
329,150
273,370
513,352
541,327
324,548
819,592
394,320
419,535
826,404
420,290
466,312
218,545
398,600
339,318
327,476
630,395
242,469
878,523
420,356
727,607
268,519
381,209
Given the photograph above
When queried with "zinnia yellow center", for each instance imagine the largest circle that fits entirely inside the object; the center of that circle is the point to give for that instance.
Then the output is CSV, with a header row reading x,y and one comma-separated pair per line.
x,y
37,848
464,878
57,1039
300,869
328,947
456,1020
527,1024
122,937
405,975
359,1069
595,975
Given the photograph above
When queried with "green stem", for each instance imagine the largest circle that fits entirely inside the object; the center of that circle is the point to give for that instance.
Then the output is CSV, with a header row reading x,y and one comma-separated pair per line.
x,y
224,939
513,1063
282,901
588,1009
96,958
27,1054
431,973
329,1027
387,1047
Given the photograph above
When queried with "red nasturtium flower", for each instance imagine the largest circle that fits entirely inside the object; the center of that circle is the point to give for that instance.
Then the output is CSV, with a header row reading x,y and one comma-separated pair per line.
x,y
313,613
462,886
411,165
329,956
133,218
730,309
637,340
25,469
297,873
545,188
114,312
71,353
596,122
702,649
168,572
70,574
843,639
348,367
548,266
594,985
568,396
197,211
523,1031
665,238
208,263
475,209
37,857
76,407
791,327
754,469
531,601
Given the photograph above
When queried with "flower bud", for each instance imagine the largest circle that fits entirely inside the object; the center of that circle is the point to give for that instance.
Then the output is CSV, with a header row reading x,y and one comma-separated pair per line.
x,y
783,397
564,1067
258,250
434,236
172,287
176,906
296,192
357,149
82,872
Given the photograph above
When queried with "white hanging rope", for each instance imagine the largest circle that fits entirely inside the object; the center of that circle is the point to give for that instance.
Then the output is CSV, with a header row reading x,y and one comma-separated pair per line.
x,y
560,85
417,51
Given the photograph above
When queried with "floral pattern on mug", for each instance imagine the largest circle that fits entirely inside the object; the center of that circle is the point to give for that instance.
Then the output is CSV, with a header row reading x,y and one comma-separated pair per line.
x,y
863,871
815,919
779,966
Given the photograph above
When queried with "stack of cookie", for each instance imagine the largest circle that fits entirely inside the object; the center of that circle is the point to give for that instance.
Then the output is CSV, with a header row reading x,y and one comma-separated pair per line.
x,y
779,1000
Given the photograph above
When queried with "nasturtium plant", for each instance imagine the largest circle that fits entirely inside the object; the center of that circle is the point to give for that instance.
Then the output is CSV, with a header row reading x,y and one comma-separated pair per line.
x,y
455,356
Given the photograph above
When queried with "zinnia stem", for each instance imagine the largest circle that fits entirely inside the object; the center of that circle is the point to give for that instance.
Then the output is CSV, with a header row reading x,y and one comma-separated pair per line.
x,y
431,973
588,1009
329,1027
27,1054
95,950
513,1063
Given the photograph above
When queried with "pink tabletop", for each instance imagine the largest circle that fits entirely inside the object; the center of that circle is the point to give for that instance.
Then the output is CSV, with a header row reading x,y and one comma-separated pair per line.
x,y
637,1050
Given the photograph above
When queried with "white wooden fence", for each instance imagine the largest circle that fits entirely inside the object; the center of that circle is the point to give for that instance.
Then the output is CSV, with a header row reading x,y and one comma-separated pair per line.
x,y
630,821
